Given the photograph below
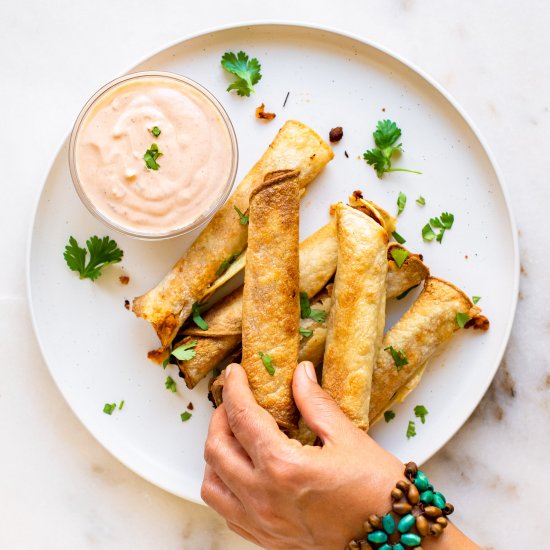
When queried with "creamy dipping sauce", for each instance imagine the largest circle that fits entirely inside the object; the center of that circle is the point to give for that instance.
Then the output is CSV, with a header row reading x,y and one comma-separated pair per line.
x,y
193,169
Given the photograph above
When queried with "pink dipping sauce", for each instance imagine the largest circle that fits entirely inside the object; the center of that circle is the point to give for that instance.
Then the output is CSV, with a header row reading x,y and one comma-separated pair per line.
x,y
196,163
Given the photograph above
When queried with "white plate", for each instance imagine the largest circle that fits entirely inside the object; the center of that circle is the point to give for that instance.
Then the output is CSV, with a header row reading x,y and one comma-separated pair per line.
x,y
96,349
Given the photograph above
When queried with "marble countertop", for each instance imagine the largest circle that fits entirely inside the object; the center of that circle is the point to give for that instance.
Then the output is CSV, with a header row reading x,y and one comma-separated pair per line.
x,y
59,488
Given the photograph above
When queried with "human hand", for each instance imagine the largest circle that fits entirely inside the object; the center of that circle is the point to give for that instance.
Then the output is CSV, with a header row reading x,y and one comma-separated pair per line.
x,y
279,494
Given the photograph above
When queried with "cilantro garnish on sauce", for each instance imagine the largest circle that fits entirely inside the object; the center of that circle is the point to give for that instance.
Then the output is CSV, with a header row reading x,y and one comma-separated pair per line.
x,y
151,155
103,252
247,72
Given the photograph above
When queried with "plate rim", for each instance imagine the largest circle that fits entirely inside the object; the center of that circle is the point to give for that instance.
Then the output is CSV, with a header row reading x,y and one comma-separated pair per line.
x,y
376,46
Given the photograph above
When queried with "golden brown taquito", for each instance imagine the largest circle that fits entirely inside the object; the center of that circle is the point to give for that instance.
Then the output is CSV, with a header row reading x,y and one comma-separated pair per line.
x,y
428,324
168,305
271,303
357,315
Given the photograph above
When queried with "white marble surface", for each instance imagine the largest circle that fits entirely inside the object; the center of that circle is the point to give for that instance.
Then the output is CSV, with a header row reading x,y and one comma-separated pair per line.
x,y
58,488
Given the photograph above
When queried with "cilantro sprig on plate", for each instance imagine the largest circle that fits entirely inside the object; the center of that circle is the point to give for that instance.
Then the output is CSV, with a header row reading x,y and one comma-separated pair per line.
x,y
443,223
246,70
103,252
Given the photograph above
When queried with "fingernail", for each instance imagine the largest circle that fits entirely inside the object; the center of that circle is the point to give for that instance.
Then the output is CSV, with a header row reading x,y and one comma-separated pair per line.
x,y
227,370
310,371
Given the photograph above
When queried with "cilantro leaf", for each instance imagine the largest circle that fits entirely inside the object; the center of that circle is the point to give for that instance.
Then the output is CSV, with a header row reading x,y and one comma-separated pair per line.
x,y
108,408
242,218
399,255
439,237
398,237
411,429
318,315
247,72
389,416
428,233
385,136
462,319
476,299
447,220
121,405
170,384
166,362
197,318
156,131
103,252
151,155
268,362
185,416
224,266
421,201
185,351
306,332
403,294
401,202
420,412
306,312
398,356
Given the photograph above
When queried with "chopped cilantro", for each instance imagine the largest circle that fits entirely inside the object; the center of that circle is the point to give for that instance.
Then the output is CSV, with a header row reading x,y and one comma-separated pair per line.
x,y
389,416
185,416
398,356
401,202
399,255
121,405
411,429
247,72
398,237
385,136
156,131
242,218
224,266
421,201
197,318
420,412
306,332
268,362
151,155
403,294
108,408
462,319
103,252
476,299
443,223
428,233
306,311
185,351
170,384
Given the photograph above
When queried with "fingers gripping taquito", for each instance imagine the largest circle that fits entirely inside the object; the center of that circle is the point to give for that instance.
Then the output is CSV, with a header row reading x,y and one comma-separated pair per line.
x,y
169,304
271,307
357,315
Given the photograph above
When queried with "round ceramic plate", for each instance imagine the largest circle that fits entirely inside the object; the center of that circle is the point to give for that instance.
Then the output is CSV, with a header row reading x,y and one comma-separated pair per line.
x,y
96,349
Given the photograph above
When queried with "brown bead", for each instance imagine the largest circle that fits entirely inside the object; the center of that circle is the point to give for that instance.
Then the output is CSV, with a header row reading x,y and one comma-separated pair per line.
x,y
375,521
442,521
432,511
396,494
413,496
402,508
403,485
367,527
422,525
411,469
365,545
436,530
448,509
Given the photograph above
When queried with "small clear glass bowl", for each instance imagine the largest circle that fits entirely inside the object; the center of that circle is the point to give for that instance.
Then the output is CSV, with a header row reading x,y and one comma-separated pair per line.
x,y
217,201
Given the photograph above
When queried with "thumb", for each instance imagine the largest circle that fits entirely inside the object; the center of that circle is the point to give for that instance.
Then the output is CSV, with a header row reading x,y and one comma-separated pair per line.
x,y
319,410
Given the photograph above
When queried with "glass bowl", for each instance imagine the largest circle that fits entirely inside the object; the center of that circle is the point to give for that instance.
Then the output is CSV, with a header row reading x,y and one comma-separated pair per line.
x,y
209,209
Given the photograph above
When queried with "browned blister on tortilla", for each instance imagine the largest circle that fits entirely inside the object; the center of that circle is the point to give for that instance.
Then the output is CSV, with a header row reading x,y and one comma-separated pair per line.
x,y
271,306
169,304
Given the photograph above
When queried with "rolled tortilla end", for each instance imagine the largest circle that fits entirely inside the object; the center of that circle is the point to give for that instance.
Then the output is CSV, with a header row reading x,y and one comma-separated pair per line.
x,y
271,307
357,315
169,304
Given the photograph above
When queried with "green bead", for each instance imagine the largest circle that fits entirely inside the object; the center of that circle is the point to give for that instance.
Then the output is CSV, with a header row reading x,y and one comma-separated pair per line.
x,y
427,497
410,539
439,500
405,523
377,536
388,523
421,481
398,546
386,547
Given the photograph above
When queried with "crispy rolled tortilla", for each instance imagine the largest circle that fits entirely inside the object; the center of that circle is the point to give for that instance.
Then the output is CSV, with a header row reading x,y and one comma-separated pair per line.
x,y
271,303
357,315
168,305
429,323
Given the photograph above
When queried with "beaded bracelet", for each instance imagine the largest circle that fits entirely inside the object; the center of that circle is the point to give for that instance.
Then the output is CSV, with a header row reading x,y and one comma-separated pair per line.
x,y
417,511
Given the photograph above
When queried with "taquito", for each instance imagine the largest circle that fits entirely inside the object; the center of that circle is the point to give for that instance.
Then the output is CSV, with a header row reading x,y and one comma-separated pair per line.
x,y
271,303
168,305
357,315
